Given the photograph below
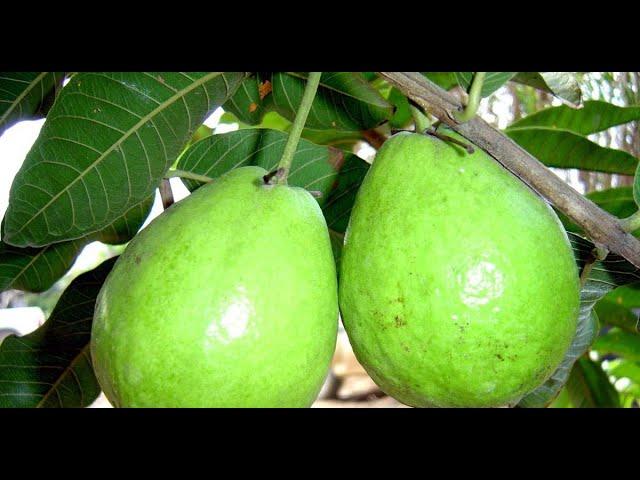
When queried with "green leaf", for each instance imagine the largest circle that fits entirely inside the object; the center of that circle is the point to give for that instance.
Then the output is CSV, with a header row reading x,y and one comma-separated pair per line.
x,y
627,369
619,343
107,142
344,101
332,172
611,313
595,116
563,85
24,95
337,242
402,116
445,80
246,103
492,81
51,367
636,186
589,386
37,269
565,149
605,275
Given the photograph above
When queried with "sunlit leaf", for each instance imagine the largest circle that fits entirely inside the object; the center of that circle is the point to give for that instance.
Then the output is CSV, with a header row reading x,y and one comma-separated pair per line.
x,y
619,343
492,81
563,85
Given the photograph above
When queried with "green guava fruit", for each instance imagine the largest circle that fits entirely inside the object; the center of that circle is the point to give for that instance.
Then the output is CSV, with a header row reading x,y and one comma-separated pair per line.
x,y
227,299
458,286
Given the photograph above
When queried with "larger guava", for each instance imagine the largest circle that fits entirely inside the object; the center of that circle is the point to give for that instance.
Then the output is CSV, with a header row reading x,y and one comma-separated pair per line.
x,y
458,285
227,299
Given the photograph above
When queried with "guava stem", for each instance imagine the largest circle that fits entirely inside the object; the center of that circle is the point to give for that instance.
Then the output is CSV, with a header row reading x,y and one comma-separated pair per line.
x,y
474,99
631,223
298,125
446,138
420,119
189,175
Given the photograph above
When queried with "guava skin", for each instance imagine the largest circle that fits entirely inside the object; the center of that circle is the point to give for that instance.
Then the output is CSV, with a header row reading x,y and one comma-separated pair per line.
x,y
227,299
458,286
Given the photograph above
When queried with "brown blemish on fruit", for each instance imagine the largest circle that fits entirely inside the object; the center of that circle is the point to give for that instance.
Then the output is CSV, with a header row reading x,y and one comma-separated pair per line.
x,y
137,259
500,357
400,322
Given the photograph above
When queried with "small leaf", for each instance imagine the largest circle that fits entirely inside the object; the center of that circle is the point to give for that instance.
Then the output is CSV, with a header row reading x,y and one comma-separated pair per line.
x,y
619,343
51,367
589,386
492,81
563,85
335,174
605,275
566,149
106,143
37,269
23,95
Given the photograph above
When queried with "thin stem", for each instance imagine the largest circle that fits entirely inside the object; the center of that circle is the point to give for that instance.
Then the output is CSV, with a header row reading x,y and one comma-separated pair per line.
x,y
189,175
298,124
474,98
166,194
632,223
420,119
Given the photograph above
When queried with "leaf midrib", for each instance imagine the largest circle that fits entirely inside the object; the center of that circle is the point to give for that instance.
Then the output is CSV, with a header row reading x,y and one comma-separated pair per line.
x,y
178,95
63,375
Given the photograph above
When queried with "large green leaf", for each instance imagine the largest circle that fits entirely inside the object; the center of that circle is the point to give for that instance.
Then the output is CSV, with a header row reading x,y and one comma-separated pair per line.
x,y
51,367
620,343
566,149
595,116
24,95
332,172
605,275
37,269
563,85
445,80
492,81
106,143
589,386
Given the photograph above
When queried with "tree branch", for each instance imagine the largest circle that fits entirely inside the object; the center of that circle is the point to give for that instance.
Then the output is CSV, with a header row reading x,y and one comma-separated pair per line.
x,y
602,227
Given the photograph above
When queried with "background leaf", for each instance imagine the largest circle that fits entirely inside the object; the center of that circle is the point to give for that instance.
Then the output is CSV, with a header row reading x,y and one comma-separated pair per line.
x,y
566,149
51,367
492,81
620,343
589,386
332,172
595,116
37,269
605,275
104,147
24,95
563,85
